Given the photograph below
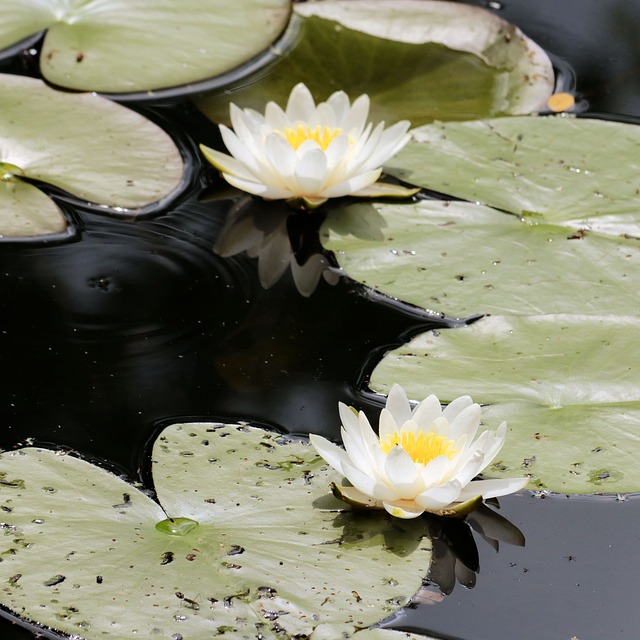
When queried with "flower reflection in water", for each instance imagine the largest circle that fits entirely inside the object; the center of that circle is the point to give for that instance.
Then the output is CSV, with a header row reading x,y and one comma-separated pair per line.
x,y
279,239
455,557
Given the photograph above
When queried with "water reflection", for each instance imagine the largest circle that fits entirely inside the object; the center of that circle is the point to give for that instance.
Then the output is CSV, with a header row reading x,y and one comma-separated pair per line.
x,y
280,239
455,557
455,553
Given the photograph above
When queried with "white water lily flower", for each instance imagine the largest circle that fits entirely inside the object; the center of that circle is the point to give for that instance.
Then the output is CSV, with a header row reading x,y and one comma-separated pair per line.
x,y
423,460
309,153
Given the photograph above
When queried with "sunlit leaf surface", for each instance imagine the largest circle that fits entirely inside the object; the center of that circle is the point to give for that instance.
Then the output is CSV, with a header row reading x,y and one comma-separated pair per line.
x,y
120,46
568,386
90,147
462,259
417,59
245,540
26,211
560,169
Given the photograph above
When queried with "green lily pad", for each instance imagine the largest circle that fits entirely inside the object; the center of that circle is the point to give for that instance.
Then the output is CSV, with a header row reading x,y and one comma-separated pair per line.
x,y
26,211
567,385
464,259
238,543
95,150
417,59
577,172
123,46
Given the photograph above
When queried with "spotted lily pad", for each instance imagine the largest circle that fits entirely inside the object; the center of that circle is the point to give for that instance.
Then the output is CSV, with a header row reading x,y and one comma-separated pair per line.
x,y
239,543
122,46
85,145
577,172
568,386
420,253
418,60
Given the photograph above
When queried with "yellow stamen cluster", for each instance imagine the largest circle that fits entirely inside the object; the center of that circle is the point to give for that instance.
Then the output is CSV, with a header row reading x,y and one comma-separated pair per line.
x,y
421,447
322,135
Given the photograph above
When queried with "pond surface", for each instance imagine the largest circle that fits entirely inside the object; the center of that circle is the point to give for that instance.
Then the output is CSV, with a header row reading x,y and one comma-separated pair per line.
x,y
135,325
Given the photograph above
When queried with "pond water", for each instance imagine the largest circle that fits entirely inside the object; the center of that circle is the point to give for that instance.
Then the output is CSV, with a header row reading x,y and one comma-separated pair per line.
x,y
134,325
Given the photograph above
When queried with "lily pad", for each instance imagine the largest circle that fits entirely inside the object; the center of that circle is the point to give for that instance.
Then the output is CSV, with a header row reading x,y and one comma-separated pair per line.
x,y
98,151
464,259
417,59
556,169
567,385
122,46
238,543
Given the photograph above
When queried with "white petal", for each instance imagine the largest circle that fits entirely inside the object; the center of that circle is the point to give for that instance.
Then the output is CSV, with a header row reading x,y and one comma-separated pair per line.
x,y
362,150
495,444
398,405
367,485
352,185
403,509
226,164
275,117
426,412
456,406
348,417
238,149
402,473
324,116
439,497
339,102
386,190
471,469
281,156
358,453
391,141
336,151
492,488
254,120
437,471
311,173
300,107
440,426
467,421
333,454
244,127
257,188
356,118
387,424
371,441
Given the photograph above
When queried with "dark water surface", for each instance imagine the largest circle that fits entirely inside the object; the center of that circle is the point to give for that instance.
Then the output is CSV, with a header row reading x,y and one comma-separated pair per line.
x,y
136,323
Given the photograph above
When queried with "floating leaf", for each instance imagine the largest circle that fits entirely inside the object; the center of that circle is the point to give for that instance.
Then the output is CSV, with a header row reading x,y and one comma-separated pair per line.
x,y
116,46
417,59
26,211
560,169
464,259
567,385
90,147
239,544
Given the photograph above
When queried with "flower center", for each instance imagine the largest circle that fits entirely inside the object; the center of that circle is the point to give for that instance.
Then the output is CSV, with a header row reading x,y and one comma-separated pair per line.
x,y
421,447
322,135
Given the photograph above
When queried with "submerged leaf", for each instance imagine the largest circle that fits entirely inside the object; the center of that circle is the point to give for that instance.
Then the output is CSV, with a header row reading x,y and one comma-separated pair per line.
x,y
85,145
464,259
116,46
263,557
567,385
417,59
